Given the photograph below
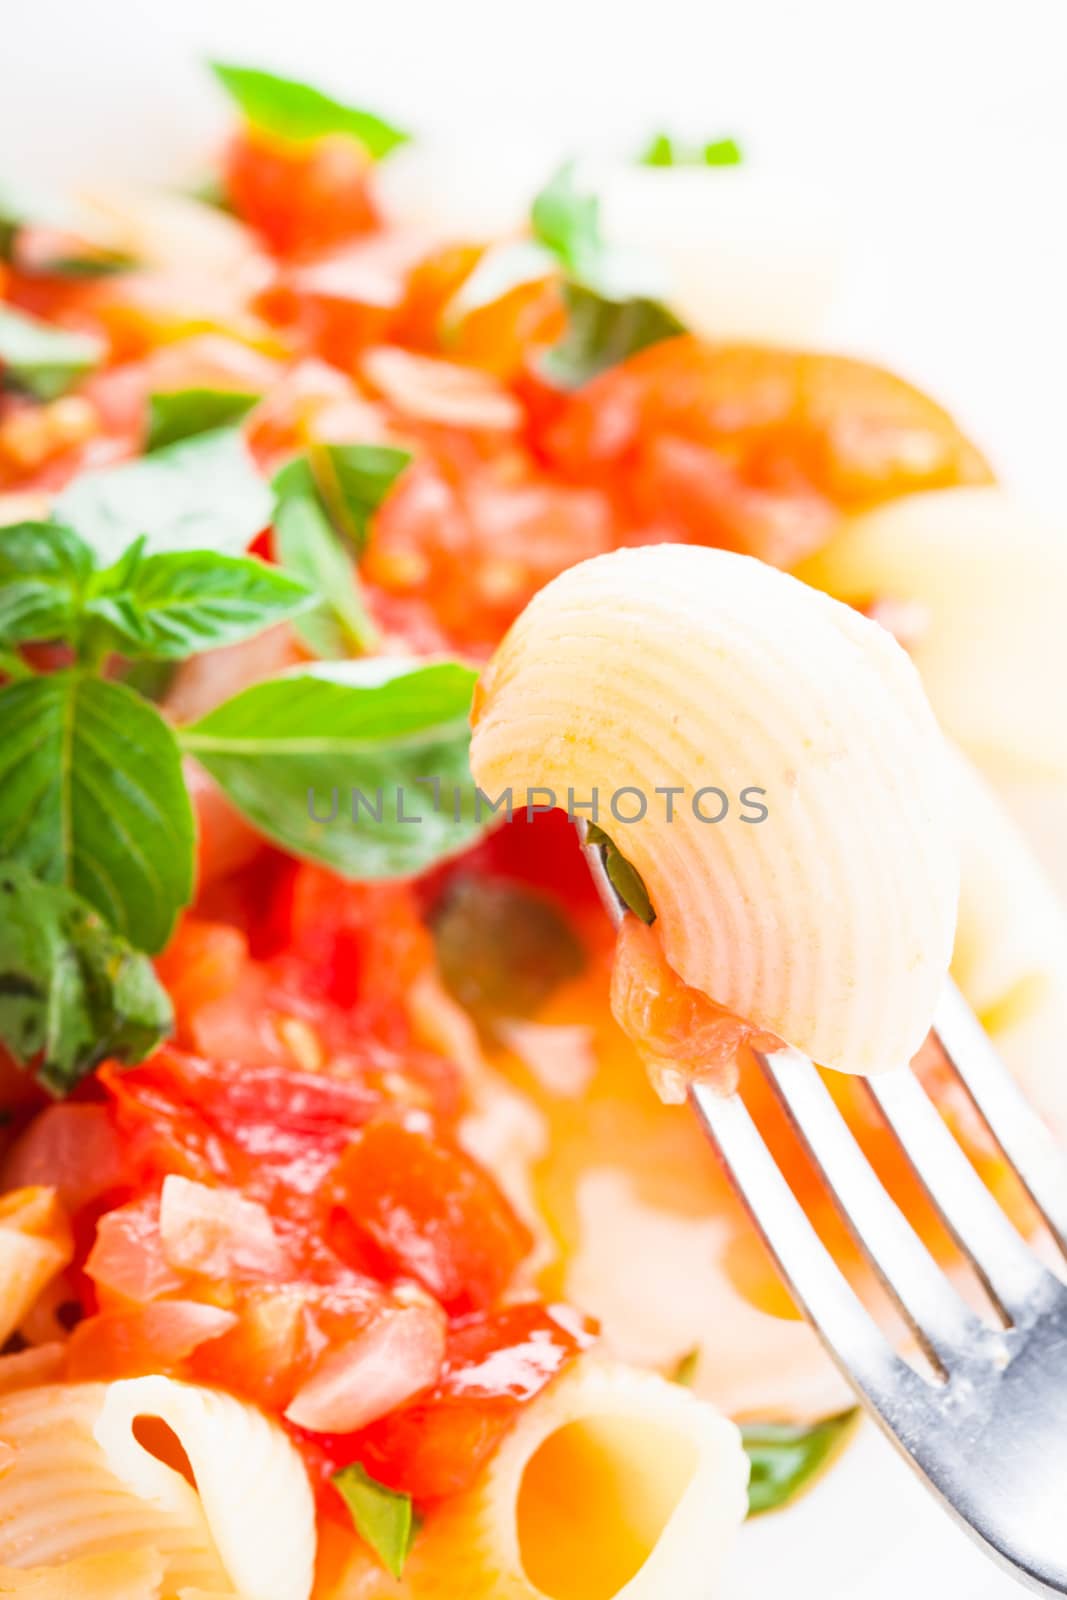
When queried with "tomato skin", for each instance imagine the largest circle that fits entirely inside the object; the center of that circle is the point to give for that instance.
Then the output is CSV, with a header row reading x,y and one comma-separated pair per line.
x,y
300,197
431,1213
494,1364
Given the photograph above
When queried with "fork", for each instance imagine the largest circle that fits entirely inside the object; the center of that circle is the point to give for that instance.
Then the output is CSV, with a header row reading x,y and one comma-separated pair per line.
x,y
987,1428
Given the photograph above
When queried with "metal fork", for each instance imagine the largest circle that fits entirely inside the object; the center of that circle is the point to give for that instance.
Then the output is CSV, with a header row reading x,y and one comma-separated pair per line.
x,y
987,1429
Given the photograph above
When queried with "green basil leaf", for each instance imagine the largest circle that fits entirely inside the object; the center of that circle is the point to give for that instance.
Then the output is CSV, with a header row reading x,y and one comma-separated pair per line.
x,y
297,111
178,603
82,262
382,1517
565,219
43,572
202,493
608,317
184,413
602,332
663,151
785,1458
72,992
501,948
92,797
305,543
293,753
624,878
43,360
352,481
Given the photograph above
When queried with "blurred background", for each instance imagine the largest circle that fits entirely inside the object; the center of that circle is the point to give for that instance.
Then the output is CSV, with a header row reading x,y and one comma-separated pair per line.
x,y
927,138
906,157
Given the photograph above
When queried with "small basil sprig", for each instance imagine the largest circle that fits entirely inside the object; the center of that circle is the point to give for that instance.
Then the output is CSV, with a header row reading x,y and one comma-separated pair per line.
x,y
93,803
610,317
41,360
663,151
785,1458
72,992
324,502
384,1518
200,493
294,110
184,413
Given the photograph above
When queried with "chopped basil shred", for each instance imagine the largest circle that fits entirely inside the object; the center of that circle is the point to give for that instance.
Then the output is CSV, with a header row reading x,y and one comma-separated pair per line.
x,y
611,312
786,1458
663,151
298,111
502,948
184,413
40,359
686,1370
383,1518
625,879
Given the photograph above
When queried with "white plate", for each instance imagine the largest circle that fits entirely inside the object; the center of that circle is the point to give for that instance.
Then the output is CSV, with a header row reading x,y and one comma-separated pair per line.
x,y
942,131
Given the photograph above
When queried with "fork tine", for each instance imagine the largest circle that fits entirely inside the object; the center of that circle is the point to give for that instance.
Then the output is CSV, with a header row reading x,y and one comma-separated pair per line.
x,y
1011,1273
939,1318
845,1326
1014,1124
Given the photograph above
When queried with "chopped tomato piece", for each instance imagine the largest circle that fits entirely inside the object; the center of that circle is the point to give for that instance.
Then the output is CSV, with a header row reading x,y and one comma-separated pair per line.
x,y
300,197
128,1262
146,1339
494,1364
708,437
431,1213
679,1031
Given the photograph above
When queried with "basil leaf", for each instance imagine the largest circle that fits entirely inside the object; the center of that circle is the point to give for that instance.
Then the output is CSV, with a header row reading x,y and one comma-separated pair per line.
x,y
43,360
624,878
178,603
184,413
609,318
293,752
295,110
785,1458
306,544
603,332
92,797
352,481
81,262
566,220
202,493
502,949
72,992
663,151
382,1517
43,571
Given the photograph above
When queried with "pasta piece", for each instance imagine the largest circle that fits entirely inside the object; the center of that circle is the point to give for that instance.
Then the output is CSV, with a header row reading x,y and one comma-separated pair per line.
x,y
713,677
83,1484
991,576
613,1483
124,1575
35,1246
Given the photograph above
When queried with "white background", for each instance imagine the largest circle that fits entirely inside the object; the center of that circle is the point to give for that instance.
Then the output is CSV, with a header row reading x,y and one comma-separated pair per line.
x,y
939,126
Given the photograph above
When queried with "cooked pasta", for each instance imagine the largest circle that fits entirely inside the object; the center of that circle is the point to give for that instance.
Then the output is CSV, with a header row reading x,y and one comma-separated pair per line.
x,y
35,1245
82,1484
711,676
121,1575
615,1483
990,578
